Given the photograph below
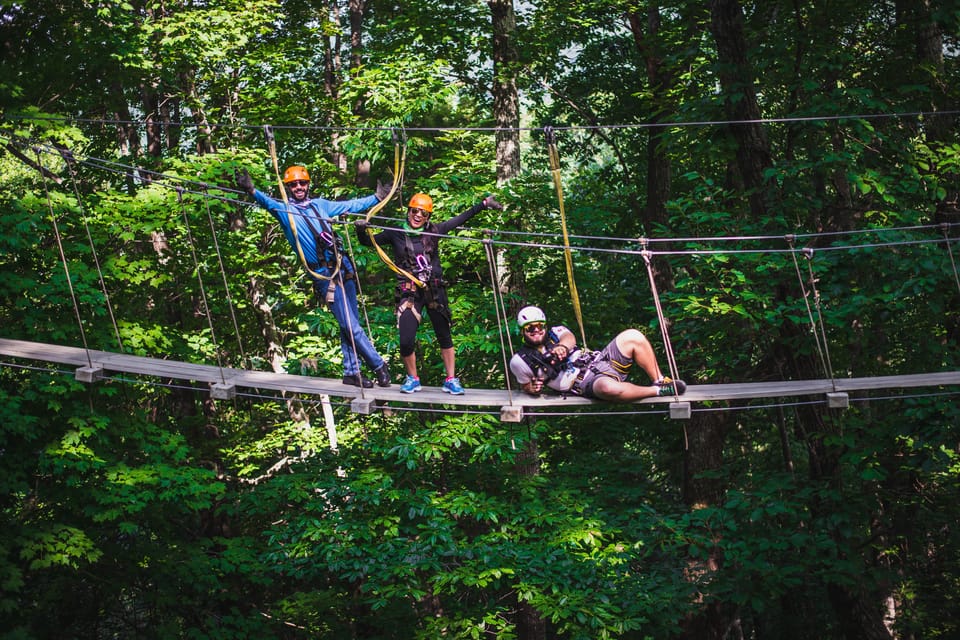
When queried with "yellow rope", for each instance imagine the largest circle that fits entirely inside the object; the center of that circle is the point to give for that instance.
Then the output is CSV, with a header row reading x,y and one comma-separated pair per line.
x,y
568,258
399,159
268,130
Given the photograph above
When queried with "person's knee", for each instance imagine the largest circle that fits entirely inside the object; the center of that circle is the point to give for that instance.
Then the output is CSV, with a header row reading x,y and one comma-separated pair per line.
x,y
630,339
606,388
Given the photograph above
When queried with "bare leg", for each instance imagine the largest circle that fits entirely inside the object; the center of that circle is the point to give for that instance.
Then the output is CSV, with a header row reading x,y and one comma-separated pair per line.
x,y
449,360
635,345
410,364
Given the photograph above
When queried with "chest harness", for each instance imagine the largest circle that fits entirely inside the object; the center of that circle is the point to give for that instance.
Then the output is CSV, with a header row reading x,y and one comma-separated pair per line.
x,y
329,245
547,365
419,254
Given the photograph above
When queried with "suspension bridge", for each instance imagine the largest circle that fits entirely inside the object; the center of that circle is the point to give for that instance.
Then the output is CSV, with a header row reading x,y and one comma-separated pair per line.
x,y
93,366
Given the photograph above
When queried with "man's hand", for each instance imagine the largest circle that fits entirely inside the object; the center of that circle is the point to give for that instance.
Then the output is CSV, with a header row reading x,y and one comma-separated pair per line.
x,y
243,180
533,387
491,203
383,190
560,350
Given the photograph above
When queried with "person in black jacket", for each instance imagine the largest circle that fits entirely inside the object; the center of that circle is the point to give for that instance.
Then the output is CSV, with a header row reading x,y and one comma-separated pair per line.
x,y
416,250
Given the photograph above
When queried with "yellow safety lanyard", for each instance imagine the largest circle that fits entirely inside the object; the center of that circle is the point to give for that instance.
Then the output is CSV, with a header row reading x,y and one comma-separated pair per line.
x,y
399,159
568,258
271,143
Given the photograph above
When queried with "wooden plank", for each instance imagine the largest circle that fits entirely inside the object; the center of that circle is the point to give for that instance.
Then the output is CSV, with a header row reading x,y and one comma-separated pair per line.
x,y
267,380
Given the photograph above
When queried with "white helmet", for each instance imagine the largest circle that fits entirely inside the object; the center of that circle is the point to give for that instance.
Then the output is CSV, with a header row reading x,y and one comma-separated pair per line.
x,y
530,314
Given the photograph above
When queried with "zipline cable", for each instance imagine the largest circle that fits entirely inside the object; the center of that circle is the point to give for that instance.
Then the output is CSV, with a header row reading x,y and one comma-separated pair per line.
x,y
945,228
159,178
495,129
568,258
664,330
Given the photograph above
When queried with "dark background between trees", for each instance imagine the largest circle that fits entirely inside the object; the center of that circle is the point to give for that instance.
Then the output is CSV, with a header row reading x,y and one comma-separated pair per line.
x,y
134,509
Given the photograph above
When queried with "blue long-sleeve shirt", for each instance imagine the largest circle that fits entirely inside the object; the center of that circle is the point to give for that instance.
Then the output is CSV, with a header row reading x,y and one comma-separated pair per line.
x,y
321,212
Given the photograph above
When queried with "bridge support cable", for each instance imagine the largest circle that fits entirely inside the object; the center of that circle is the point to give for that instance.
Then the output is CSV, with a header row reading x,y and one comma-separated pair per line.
x,y
223,274
679,410
222,390
567,256
360,297
509,412
90,373
68,158
835,399
945,228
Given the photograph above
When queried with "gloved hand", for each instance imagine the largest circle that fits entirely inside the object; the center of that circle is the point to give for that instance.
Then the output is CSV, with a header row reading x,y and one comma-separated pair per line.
x,y
491,203
243,180
361,225
383,190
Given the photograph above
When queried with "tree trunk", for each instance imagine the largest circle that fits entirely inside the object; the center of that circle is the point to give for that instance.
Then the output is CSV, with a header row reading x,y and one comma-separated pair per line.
x,y
357,8
737,81
506,114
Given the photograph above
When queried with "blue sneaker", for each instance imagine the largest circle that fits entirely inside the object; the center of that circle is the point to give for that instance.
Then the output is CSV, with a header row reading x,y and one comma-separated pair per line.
x,y
452,385
411,384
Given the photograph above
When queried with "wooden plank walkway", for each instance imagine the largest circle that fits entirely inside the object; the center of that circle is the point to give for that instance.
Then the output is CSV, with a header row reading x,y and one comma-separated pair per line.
x,y
225,380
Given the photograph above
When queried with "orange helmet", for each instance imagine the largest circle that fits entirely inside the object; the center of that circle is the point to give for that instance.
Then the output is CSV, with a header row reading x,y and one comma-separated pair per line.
x,y
421,201
296,172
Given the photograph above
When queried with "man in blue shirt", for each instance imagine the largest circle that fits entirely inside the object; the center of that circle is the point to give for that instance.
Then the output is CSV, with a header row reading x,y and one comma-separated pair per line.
x,y
306,222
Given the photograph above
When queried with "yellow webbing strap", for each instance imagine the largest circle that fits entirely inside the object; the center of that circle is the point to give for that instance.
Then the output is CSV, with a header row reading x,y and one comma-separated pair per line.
x,y
568,258
399,159
272,144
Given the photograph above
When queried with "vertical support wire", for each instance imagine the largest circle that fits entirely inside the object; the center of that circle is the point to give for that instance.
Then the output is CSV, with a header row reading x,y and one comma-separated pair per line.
x,y
503,323
661,319
817,335
223,272
63,259
203,293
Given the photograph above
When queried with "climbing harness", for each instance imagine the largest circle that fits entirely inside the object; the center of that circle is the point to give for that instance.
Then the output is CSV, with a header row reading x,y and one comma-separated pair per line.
x,y
567,256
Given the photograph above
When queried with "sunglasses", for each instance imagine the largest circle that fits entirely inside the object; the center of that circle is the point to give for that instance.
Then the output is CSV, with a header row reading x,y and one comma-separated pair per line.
x,y
299,183
533,326
422,212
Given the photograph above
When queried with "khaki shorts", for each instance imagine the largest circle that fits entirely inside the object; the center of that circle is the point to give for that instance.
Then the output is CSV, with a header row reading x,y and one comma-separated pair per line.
x,y
609,362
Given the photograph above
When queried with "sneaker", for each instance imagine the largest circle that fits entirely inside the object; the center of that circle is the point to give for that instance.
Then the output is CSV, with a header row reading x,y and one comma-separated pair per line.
x,y
411,384
357,380
670,387
452,385
383,375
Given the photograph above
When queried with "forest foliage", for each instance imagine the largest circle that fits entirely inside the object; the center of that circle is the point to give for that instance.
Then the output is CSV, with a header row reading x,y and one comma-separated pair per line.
x,y
723,136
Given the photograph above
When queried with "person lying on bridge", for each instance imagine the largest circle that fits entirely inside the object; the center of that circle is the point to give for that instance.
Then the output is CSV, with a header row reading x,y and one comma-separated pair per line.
x,y
550,356
306,224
